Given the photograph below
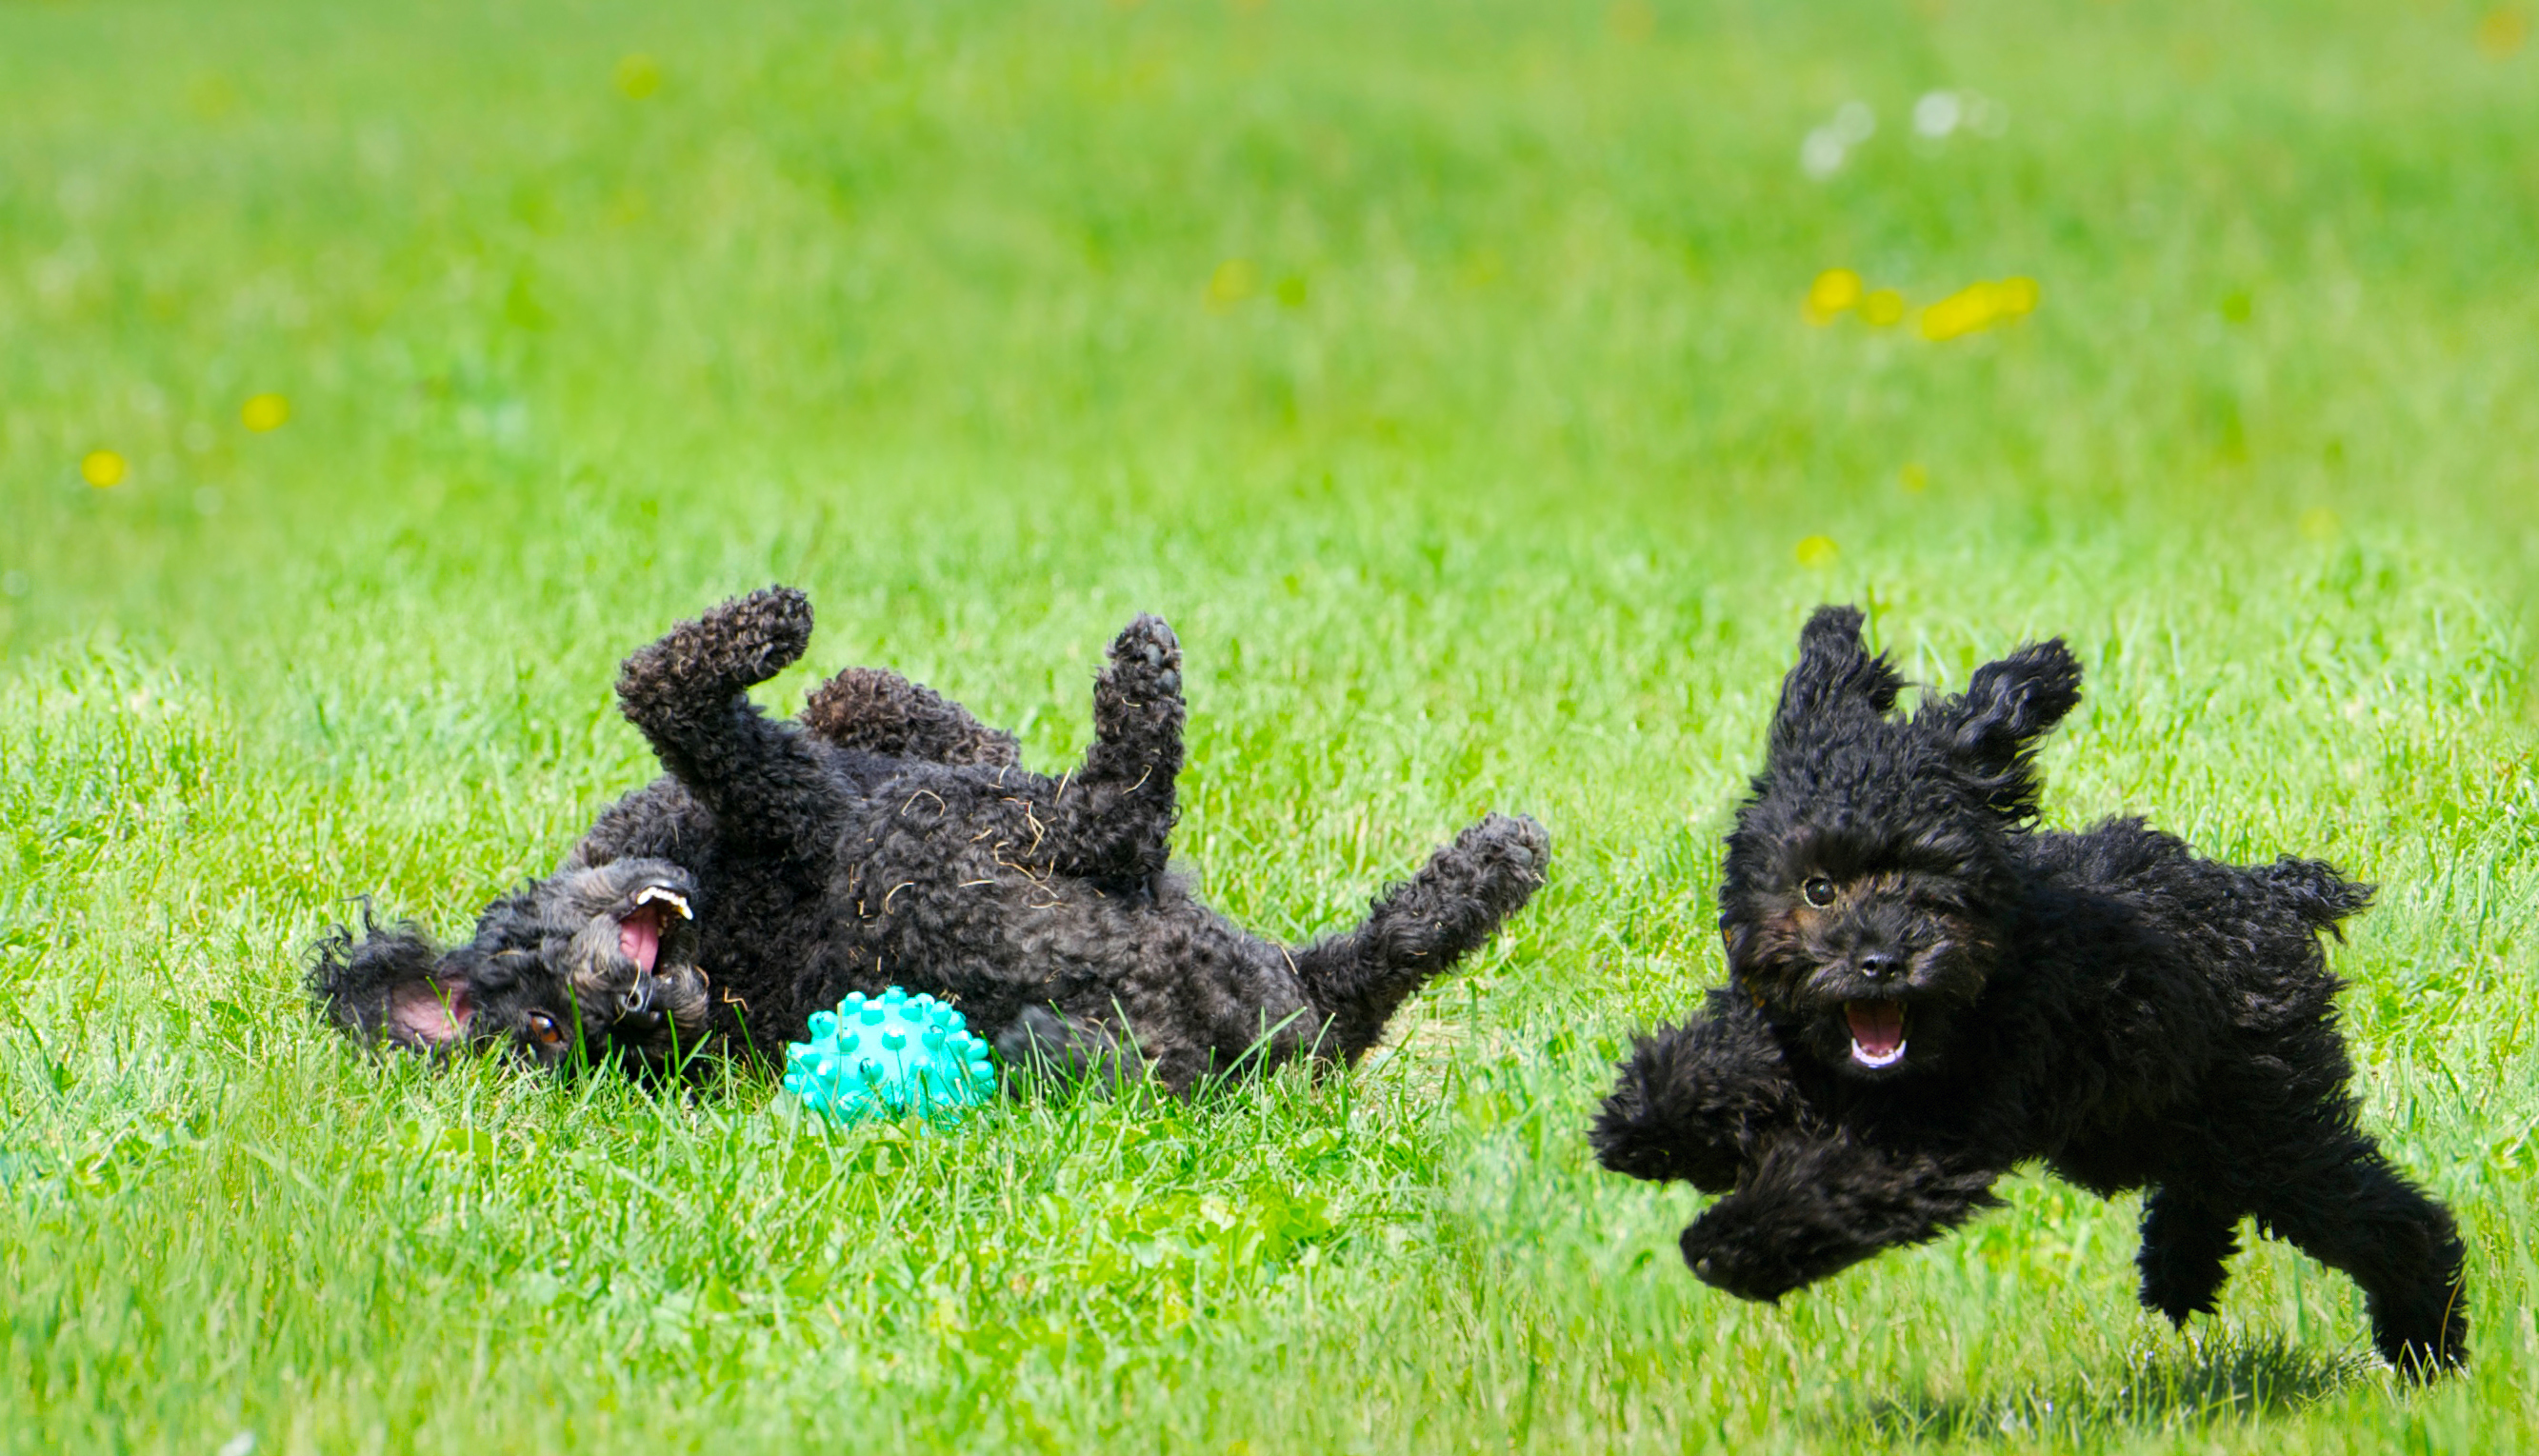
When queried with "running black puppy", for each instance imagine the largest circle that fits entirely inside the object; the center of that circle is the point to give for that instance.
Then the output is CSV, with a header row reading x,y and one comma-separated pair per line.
x,y
888,839
1925,991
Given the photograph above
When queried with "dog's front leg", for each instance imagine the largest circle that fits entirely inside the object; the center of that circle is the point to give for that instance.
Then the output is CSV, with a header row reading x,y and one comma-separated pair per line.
x,y
1816,1205
761,780
1694,1102
1112,819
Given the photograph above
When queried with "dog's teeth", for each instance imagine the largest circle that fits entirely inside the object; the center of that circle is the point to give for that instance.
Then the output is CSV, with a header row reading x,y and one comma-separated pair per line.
x,y
652,894
1866,1058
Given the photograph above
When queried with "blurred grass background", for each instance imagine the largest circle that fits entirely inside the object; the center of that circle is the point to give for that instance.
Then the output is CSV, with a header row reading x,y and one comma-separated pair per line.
x,y
1440,369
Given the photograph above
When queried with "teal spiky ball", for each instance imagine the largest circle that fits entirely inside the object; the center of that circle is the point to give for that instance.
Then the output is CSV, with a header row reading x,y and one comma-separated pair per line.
x,y
888,1055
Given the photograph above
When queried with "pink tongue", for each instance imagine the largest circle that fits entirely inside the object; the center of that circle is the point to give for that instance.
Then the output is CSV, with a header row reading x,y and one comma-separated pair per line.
x,y
639,937
1878,1026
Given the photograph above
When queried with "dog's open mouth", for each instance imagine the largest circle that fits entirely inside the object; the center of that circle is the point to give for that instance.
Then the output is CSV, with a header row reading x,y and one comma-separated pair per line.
x,y
639,934
1876,1031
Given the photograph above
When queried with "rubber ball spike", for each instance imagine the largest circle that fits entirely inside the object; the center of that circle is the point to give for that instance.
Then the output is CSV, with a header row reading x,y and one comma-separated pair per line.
x,y
915,1058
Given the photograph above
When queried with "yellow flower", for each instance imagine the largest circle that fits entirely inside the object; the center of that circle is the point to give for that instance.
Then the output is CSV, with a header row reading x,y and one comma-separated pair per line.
x,y
102,469
1979,306
1882,308
263,412
1960,312
2501,31
1817,551
1234,280
637,75
1834,290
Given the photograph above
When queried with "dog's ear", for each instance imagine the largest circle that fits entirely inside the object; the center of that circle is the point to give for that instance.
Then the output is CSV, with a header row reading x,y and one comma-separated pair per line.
x,y
1835,674
392,985
2008,706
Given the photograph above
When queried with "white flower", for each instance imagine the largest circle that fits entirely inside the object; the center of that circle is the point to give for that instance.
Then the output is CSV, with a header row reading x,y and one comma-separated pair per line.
x,y
1820,155
1937,113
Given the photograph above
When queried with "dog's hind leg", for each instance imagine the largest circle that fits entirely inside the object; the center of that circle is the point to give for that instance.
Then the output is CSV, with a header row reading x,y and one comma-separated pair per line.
x,y
881,713
1111,819
1693,1101
2348,1208
1045,1043
1418,928
1816,1203
2185,1243
687,694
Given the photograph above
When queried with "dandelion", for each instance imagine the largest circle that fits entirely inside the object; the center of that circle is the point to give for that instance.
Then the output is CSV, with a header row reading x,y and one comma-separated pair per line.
x,y
263,412
1834,290
1818,552
102,468
1979,306
1960,312
1884,308
212,97
2501,31
637,75
1234,280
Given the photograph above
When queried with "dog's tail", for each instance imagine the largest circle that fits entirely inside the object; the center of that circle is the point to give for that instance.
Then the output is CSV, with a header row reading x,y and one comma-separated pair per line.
x,y
2315,891
1418,928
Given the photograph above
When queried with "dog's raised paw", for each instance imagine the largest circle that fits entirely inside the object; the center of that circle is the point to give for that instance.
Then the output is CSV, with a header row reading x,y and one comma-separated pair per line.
x,y
768,629
1738,1250
1148,653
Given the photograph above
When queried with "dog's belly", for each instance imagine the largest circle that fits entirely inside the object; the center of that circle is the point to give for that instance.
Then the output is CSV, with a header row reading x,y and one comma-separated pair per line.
x,y
2103,1168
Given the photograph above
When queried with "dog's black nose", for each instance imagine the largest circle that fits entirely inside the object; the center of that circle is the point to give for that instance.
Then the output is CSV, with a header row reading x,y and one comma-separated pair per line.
x,y
1877,965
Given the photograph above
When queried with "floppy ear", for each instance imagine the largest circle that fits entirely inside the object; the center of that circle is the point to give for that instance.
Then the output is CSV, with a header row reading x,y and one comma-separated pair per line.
x,y
1833,673
429,1011
392,985
2008,706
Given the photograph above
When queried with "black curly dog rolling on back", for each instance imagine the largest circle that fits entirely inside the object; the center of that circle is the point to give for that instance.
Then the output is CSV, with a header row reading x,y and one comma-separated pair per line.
x,y
1925,991
888,838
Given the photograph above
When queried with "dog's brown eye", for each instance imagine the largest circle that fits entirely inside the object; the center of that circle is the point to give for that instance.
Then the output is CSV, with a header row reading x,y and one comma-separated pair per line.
x,y
544,1028
1818,891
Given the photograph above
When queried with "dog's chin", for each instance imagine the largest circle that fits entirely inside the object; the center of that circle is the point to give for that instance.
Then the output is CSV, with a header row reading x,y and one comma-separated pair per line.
x,y
671,1023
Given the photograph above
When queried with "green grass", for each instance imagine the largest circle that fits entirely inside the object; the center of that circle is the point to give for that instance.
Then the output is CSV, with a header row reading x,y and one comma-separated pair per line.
x,y
1479,485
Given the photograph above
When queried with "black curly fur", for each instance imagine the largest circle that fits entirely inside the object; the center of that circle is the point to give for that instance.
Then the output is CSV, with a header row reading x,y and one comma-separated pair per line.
x,y
870,711
888,838
1924,991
